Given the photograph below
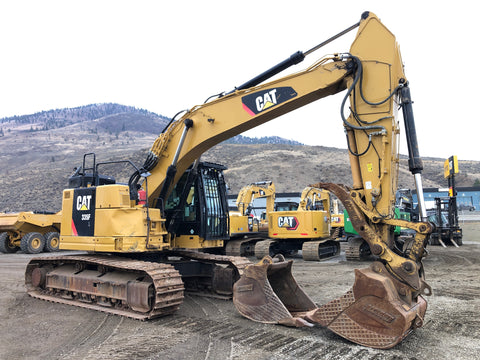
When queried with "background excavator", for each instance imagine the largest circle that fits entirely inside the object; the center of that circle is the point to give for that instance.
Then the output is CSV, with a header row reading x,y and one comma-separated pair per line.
x,y
307,228
289,227
138,265
245,229
240,221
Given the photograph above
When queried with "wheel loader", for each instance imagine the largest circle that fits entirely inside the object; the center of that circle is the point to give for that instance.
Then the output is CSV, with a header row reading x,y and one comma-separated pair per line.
x,y
142,255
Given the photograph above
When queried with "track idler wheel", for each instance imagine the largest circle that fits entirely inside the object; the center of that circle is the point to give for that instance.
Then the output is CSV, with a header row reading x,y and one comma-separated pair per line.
x,y
372,313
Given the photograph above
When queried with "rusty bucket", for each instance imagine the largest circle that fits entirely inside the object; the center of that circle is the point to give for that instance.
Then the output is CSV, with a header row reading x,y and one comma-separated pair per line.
x,y
377,312
267,292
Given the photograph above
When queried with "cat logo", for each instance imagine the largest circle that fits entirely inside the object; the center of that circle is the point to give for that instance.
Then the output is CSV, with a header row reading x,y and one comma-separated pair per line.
x,y
288,222
263,100
266,100
83,202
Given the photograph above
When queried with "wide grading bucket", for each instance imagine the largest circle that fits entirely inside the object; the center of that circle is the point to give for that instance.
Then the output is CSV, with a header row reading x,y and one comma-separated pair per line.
x,y
373,313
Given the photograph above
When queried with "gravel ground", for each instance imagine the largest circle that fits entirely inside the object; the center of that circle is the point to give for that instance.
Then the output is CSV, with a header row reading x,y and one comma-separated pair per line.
x,y
207,328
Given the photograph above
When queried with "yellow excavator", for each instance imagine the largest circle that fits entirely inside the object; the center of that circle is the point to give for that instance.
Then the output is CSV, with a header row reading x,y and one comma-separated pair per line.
x,y
245,230
142,255
241,222
308,228
337,221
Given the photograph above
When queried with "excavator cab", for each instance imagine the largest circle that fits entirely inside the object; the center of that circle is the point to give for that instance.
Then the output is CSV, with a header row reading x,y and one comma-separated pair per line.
x,y
198,203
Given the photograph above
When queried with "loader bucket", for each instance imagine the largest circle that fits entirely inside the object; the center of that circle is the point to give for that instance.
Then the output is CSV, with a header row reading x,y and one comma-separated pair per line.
x,y
267,292
372,313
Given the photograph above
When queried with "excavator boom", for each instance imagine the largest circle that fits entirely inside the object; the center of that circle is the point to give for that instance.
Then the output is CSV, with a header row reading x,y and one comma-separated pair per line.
x,y
204,126
263,189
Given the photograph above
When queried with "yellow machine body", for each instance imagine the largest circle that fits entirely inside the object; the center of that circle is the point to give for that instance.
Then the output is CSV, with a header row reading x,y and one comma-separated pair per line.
x,y
104,219
113,223
242,224
299,224
311,220
29,231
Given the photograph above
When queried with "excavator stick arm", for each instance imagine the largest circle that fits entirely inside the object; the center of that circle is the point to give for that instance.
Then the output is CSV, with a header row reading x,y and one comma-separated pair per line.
x,y
408,270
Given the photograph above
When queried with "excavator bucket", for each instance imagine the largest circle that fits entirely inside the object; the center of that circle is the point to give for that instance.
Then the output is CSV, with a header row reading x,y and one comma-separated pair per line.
x,y
372,313
267,292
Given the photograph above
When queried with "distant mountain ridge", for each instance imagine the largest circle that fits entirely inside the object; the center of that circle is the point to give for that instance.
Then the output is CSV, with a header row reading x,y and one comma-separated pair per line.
x,y
79,113
240,139
112,118
59,118
37,159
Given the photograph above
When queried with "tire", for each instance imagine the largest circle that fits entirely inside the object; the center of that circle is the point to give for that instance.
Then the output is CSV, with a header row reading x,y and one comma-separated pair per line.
x,y
32,243
459,241
52,241
5,245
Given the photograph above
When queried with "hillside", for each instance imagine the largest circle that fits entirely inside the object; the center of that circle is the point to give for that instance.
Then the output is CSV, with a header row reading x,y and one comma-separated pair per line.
x,y
36,161
59,118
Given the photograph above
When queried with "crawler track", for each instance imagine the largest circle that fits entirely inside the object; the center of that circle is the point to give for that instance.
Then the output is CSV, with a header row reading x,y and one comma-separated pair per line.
x,y
263,248
242,247
357,249
320,249
136,289
311,250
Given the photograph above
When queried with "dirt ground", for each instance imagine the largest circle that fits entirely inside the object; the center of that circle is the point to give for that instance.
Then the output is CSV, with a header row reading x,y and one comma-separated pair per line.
x,y
206,328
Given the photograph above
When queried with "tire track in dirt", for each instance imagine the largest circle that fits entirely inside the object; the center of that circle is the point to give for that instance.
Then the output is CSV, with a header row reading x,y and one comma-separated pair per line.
x,y
209,345
90,333
276,341
464,293
212,329
450,257
462,324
